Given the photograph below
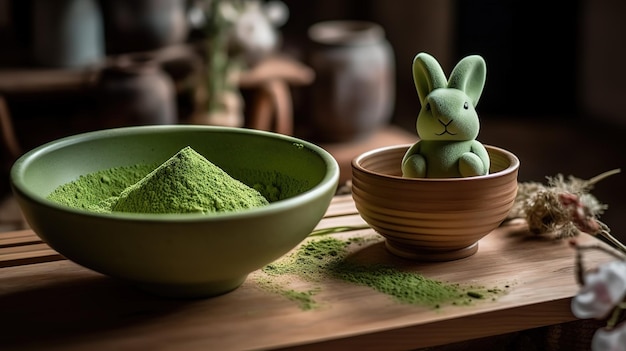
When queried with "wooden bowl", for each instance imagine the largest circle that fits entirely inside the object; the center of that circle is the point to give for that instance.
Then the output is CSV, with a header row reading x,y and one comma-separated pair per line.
x,y
432,219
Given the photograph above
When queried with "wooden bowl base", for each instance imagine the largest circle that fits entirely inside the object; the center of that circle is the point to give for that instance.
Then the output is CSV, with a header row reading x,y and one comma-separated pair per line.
x,y
417,254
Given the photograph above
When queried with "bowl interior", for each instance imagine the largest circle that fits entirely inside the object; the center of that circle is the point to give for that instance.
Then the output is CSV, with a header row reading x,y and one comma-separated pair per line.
x,y
250,156
387,161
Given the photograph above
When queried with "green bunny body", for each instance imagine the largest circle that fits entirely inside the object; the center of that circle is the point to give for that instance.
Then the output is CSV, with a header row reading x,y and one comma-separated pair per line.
x,y
436,154
448,123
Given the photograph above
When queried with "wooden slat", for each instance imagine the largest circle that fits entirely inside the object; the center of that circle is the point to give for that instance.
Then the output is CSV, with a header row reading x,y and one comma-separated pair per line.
x,y
24,247
35,254
22,237
348,220
340,206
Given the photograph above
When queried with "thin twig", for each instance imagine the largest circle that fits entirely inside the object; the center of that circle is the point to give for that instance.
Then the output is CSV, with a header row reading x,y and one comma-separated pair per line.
x,y
579,268
601,176
340,229
616,243
615,316
600,248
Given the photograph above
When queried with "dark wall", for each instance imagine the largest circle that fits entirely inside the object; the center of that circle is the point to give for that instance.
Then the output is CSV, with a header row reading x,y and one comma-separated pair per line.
x,y
530,46
531,51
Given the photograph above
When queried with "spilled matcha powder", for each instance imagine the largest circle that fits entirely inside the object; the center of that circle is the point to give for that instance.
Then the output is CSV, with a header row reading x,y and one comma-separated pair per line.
x,y
328,257
185,183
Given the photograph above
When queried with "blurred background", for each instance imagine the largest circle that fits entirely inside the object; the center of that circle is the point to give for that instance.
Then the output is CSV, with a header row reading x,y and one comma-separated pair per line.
x,y
554,91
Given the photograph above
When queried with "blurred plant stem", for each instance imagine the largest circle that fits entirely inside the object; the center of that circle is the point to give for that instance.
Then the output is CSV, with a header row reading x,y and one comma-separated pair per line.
x,y
217,53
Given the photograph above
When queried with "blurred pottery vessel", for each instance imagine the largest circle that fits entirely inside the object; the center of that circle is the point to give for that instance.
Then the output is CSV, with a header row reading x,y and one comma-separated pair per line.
x,y
354,91
136,91
67,33
141,25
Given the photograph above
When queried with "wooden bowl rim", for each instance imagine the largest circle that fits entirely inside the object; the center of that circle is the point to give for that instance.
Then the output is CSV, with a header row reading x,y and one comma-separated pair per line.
x,y
514,164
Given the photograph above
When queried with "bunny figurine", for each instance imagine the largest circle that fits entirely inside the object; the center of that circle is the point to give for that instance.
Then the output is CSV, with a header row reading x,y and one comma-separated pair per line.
x,y
447,123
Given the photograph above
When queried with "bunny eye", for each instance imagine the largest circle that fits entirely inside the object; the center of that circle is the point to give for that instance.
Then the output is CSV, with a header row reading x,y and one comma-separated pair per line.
x,y
427,107
465,105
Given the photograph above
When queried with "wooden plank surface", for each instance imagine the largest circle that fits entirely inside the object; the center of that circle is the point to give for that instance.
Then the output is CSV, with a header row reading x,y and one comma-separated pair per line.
x,y
18,238
24,247
66,307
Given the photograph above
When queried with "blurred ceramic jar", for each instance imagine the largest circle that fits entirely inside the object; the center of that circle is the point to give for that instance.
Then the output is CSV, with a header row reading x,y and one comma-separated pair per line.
x,y
140,25
67,33
134,90
354,90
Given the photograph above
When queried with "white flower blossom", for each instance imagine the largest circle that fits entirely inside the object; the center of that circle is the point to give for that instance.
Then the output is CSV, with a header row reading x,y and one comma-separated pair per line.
x,y
603,289
610,339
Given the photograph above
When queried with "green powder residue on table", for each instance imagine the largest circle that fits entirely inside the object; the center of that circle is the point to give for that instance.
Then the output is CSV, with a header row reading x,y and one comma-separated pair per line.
x,y
328,258
185,183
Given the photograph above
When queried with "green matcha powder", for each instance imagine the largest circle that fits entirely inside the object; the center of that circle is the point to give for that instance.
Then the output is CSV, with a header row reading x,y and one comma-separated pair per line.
x,y
186,183
328,258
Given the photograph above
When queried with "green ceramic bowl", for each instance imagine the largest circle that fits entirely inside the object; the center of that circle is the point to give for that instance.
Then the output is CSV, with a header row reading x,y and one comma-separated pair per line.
x,y
177,255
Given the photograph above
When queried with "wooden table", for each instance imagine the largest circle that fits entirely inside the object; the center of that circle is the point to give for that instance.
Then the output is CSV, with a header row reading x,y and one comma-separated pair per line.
x,y
47,300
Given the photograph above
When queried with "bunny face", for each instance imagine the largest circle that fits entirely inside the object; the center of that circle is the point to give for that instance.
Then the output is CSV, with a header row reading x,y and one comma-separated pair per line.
x,y
447,123
447,114
448,103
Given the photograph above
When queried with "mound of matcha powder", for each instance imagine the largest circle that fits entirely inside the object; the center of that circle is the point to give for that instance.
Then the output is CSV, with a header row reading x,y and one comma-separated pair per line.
x,y
185,183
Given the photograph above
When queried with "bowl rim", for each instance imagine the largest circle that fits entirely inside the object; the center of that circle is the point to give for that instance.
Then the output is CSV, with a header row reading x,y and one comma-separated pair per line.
x,y
514,164
330,179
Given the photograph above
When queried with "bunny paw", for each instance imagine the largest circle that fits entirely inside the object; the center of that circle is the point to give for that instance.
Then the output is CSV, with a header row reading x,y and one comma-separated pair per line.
x,y
414,166
471,165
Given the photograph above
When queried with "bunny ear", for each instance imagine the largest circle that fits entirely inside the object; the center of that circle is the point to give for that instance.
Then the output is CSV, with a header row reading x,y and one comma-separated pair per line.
x,y
469,76
427,75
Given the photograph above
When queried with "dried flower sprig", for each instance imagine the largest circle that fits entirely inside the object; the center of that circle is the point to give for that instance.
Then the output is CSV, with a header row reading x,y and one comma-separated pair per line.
x,y
563,208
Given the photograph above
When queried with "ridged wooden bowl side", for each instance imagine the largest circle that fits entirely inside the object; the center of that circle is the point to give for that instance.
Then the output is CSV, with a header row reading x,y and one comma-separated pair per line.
x,y
432,218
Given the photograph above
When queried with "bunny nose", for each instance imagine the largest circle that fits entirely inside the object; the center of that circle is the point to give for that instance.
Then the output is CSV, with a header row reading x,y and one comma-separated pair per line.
x,y
440,108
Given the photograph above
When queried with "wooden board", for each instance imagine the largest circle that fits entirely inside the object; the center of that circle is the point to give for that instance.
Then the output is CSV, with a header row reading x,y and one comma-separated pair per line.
x,y
66,307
